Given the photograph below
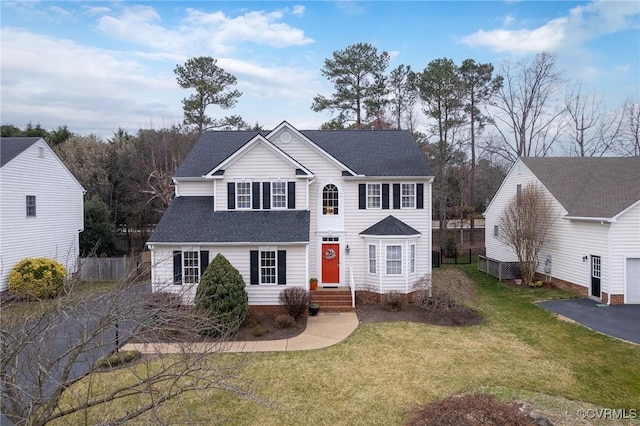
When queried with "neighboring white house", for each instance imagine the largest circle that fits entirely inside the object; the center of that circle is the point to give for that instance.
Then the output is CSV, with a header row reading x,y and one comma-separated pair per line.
x,y
41,206
348,207
594,245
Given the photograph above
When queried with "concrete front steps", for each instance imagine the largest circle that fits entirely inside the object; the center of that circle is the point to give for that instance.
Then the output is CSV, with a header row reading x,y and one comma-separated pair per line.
x,y
332,299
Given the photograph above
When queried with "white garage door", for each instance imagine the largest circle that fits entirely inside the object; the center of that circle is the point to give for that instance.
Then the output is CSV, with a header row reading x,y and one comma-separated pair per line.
x,y
633,281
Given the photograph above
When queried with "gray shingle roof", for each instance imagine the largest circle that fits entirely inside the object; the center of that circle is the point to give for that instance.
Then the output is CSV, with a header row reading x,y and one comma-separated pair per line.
x,y
390,225
367,152
193,220
589,187
10,148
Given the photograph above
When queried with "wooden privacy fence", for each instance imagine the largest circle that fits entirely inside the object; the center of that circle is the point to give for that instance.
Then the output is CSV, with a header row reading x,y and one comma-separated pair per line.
x,y
500,270
110,268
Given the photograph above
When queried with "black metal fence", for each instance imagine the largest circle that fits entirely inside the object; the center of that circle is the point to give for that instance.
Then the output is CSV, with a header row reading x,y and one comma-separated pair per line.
x,y
450,257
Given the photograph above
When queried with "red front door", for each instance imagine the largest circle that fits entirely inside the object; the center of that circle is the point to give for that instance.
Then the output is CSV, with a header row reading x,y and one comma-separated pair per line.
x,y
330,263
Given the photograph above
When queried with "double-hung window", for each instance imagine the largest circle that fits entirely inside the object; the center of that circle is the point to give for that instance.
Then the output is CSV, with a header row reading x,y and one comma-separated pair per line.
x,y
31,206
408,195
268,268
279,195
243,195
374,196
373,268
191,267
412,259
394,260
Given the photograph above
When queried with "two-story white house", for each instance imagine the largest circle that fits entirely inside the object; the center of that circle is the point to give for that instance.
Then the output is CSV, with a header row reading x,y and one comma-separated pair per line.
x,y
593,246
41,206
351,208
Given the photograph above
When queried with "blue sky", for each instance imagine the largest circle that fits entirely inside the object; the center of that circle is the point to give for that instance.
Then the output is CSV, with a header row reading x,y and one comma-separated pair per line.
x,y
97,66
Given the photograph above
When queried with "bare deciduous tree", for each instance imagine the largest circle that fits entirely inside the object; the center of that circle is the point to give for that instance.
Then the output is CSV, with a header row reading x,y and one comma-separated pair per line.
x,y
591,129
630,131
526,119
50,351
524,226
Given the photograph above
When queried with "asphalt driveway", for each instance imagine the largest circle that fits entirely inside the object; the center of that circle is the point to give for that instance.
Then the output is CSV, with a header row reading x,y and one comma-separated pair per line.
x,y
620,321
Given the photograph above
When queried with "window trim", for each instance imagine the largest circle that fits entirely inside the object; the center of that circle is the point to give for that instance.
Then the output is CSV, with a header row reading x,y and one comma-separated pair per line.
x,y
195,266
373,197
335,208
30,207
238,195
388,259
412,196
373,261
285,195
262,267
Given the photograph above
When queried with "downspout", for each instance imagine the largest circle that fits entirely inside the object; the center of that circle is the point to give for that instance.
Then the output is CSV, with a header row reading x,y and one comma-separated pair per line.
x,y
309,183
380,268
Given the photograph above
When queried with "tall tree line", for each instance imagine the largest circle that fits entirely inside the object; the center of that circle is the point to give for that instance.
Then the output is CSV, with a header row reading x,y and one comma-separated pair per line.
x,y
476,119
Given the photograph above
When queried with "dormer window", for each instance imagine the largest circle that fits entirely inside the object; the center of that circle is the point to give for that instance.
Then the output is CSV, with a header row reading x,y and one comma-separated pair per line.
x,y
330,199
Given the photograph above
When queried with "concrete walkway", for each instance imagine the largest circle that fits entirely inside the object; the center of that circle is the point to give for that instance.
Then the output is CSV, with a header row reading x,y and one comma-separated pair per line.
x,y
326,329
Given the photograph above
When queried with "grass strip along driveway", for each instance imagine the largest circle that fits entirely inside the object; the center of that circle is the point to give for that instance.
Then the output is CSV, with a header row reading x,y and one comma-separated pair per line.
x,y
520,351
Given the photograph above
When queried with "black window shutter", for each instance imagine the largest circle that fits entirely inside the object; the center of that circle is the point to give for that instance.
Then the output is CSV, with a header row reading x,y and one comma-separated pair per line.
x,y
255,189
291,195
396,195
177,267
204,260
420,196
362,196
254,267
266,195
385,195
231,195
282,267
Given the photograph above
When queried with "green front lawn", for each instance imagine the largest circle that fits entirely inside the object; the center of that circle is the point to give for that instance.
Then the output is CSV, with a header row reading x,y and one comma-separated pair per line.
x,y
519,352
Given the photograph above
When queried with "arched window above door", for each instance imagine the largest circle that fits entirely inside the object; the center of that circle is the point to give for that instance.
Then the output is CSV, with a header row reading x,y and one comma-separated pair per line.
x,y
330,199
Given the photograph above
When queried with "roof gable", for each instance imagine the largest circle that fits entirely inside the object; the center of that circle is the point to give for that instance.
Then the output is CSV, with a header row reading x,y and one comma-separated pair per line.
x,y
589,187
258,139
10,148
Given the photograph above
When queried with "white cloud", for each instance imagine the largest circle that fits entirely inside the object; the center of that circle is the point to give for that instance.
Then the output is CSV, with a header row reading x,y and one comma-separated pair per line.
x,y
508,20
547,37
581,24
90,89
298,10
203,32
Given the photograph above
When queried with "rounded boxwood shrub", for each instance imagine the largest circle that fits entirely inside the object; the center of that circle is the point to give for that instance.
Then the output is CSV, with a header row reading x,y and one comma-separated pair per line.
x,y
38,278
222,297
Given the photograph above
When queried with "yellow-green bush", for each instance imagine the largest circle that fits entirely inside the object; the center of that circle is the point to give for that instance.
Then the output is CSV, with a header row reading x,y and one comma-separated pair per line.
x,y
38,278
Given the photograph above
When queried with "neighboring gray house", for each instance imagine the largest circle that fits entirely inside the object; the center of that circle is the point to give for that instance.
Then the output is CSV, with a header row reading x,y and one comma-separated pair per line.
x,y
594,246
41,206
352,208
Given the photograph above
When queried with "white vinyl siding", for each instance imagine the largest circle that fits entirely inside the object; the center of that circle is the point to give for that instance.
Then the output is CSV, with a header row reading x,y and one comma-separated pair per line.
x,y
238,256
54,231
